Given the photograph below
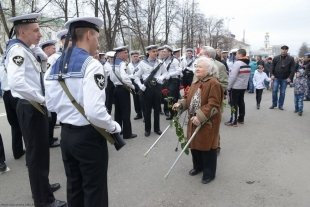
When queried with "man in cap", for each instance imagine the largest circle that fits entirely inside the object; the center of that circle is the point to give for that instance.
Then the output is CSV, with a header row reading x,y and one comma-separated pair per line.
x,y
177,53
173,81
84,149
109,90
102,58
282,72
25,80
187,65
132,69
152,72
123,87
49,49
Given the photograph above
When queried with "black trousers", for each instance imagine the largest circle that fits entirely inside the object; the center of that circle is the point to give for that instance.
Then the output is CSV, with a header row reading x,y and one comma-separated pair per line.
x,y
34,126
136,100
51,125
17,139
205,161
238,105
122,110
259,93
2,155
109,91
85,156
151,97
174,91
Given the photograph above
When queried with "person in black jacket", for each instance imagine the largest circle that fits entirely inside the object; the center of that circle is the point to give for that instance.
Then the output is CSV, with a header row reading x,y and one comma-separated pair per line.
x,y
282,72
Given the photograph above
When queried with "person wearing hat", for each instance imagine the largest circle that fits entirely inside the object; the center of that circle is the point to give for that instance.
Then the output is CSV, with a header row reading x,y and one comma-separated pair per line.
x,y
84,149
177,54
282,72
49,49
25,79
109,90
132,68
123,86
102,58
151,87
187,65
173,81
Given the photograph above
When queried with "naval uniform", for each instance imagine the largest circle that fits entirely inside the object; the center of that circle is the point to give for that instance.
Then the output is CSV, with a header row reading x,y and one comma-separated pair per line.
x,y
152,90
187,65
10,103
84,150
24,78
174,71
109,90
122,96
132,69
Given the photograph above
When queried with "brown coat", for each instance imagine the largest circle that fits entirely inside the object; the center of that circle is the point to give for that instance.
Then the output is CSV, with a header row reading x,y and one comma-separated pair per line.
x,y
211,98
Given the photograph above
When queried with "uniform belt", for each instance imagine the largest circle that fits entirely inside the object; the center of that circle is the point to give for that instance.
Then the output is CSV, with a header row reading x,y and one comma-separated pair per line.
x,y
70,126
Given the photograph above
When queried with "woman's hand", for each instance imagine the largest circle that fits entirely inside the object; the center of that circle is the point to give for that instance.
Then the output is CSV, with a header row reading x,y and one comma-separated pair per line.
x,y
176,106
195,120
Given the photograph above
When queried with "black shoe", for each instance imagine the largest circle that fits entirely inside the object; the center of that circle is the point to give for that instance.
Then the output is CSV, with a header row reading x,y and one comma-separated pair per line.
x,y
2,167
158,132
300,113
147,134
240,122
54,187
55,144
258,106
137,117
167,113
206,180
19,156
281,108
131,136
271,107
169,118
58,203
161,113
194,172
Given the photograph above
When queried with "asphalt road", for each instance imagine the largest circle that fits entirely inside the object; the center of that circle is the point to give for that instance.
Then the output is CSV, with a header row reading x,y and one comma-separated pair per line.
x,y
263,163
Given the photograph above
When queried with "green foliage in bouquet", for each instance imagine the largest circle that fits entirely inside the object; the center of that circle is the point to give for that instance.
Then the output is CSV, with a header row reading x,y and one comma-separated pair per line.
x,y
180,133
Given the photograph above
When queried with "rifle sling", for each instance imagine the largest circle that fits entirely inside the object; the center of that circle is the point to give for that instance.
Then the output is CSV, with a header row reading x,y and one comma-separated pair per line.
x,y
102,131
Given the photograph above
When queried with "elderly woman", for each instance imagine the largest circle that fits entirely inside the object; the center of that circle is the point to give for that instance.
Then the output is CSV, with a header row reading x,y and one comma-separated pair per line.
x,y
204,108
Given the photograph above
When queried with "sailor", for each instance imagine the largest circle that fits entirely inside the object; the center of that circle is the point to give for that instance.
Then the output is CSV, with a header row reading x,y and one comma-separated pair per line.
x,y
153,73
132,68
49,49
102,58
25,79
177,54
187,65
109,90
75,91
10,103
172,79
123,87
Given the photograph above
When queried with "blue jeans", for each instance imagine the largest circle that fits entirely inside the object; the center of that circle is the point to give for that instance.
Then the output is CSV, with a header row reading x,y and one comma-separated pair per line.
x,y
251,85
299,102
278,83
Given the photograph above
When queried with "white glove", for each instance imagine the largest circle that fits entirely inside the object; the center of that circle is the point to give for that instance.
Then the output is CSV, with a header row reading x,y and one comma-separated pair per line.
x,y
116,129
167,76
159,80
142,87
39,53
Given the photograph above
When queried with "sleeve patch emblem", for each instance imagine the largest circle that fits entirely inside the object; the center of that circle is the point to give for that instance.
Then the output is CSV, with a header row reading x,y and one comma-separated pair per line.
x,y
18,60
48,65
99,79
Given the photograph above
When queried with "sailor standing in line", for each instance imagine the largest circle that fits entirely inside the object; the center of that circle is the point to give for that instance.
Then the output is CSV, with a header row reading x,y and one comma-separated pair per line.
x,y
151,87
132,67
109,90
49,49
25,78
187,65
84,149
123,86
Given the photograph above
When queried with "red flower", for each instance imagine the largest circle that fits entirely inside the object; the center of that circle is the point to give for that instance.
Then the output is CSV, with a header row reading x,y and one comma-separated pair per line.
x,y
165,91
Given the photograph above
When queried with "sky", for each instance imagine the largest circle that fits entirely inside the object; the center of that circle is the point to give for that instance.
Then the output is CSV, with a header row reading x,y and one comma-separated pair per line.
x,y
287,22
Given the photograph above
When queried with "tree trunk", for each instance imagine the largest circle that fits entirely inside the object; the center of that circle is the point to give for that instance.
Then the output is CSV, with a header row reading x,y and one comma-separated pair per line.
x,y
77,8
3,19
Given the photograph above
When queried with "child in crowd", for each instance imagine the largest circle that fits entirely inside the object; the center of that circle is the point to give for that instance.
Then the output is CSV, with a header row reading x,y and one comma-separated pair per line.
x,y
259,83
300,89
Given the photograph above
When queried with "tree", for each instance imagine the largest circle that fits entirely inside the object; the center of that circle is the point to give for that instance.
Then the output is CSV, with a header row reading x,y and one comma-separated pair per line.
x,y
303,49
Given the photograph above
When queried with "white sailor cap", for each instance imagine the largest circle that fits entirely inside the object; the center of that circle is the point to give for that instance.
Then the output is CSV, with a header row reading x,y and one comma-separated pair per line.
x,y
135,52
85,22
101,53
151,47
47,43
177,50
224,51
110,54
233,50
25,19
120,49
189,49
168,48
62,34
